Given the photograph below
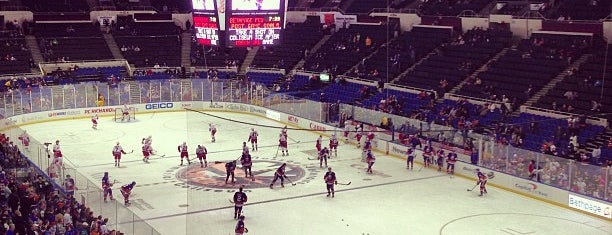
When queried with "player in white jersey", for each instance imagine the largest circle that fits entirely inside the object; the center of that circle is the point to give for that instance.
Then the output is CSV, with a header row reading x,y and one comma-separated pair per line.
x,y
282,144
148,141
57,154
184,153
318,143
347,130
333,145
125,113
25,140
284,131
253,139
245,148
94,121
147,151
213,130
117,152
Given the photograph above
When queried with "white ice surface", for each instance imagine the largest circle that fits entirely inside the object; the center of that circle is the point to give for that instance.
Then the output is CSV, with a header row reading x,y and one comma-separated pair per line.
x,y
391,201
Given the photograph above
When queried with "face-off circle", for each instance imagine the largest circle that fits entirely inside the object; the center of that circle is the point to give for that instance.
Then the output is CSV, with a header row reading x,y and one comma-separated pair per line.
x,y
214,175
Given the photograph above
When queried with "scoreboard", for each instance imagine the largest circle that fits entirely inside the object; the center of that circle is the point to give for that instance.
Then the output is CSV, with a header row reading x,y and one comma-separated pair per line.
x,y
207,29
254,22
241,23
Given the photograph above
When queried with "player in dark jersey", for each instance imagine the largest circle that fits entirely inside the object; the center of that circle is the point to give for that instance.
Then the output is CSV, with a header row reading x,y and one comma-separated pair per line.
x,y
370,159
451,159
323,155
239,199
330,180
107,187
427,155
229,170
280,173
440,160
247,162
482,181
126,191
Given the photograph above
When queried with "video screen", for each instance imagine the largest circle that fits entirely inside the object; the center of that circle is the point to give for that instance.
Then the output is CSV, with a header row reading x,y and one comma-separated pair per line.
x,y
255,5
203,5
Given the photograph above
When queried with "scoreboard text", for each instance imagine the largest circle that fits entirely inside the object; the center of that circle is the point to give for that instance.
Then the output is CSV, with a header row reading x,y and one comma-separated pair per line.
x,y
254,30
207,29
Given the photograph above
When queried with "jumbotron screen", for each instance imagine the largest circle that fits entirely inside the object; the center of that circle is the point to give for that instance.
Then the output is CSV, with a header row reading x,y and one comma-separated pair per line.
x,y
255,22
206,22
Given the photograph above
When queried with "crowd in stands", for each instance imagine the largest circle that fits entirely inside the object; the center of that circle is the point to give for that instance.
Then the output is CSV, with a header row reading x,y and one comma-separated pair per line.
x,y
31,203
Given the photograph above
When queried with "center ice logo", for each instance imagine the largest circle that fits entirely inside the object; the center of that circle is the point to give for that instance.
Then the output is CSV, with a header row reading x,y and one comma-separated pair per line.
x,y
214,175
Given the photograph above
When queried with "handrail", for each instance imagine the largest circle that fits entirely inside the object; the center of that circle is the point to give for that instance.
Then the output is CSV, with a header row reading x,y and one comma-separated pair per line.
x,y
476,100
560,114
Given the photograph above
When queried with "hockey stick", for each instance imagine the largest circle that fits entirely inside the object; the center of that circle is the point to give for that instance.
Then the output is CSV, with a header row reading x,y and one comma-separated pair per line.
x,y
349,183
313,158
289,180
469,190
231,201
277,148
421,168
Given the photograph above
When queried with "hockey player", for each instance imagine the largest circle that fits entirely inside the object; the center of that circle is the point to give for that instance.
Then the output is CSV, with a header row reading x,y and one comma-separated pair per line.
x,y
358,135
367,146
330,180
370,159
253,139
230,167
245,148
126,191
279,173
239,199
147,140
184,153
25,140
107,187
213,130
94,121
427,155
69,185
440,160
57,154
410,154
347,130
318,143
451,158
370,136
247,162
323,154
125,113
482,181
282,144
117,152
201,154
240,228
284,131
147,151
333,145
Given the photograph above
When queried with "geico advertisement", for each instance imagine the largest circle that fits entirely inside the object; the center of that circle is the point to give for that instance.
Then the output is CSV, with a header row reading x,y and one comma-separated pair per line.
x,y
161,105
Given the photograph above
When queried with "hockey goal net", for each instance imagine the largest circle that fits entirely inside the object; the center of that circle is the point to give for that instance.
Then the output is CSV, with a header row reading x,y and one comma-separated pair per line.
x,y
119,115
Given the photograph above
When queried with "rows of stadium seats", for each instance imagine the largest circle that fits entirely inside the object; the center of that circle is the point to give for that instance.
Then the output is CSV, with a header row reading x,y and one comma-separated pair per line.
x,y
451,8
297,38
454,61
213,56
264,78
158,42
56,6
365,6
588,83
347,47
532,64
408,102
342,92
409,48
584,9
14,47
71,41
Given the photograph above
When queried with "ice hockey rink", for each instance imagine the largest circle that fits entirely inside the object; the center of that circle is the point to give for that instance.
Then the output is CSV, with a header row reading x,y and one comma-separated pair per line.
x,y
178,200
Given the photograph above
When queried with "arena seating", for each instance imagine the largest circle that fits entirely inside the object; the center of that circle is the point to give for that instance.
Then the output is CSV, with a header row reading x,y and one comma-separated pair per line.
x,y
71,42
454,61
587,81
347,47
583,9
157,43
214,56
298,37
402,53
531,65
451,8
14,55
56,6
365,6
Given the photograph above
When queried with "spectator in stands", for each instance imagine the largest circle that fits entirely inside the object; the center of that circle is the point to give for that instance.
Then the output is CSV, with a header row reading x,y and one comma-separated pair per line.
x,y
570,95
368,42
